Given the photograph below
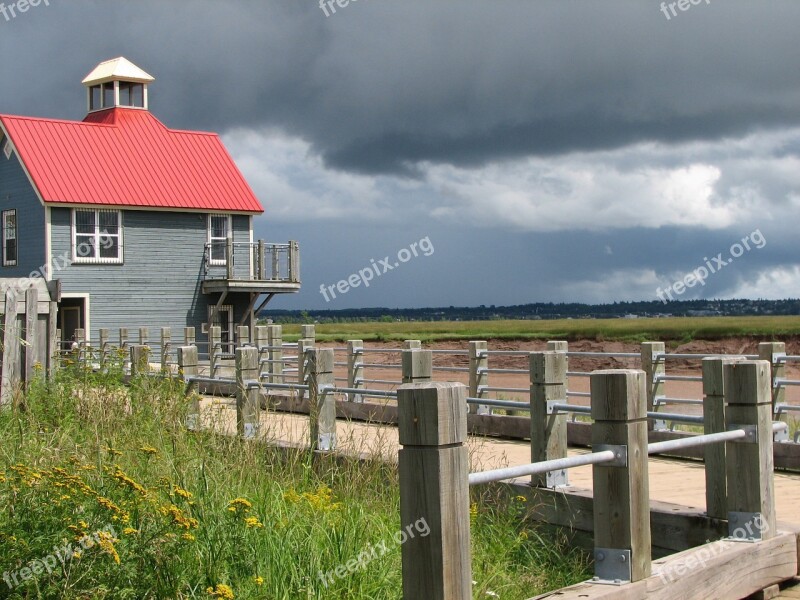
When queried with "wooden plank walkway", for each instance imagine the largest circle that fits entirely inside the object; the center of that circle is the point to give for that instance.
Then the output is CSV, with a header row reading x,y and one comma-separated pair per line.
x,y
679,482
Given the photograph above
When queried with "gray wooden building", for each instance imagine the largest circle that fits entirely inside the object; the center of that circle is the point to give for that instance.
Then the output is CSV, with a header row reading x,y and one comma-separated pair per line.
x,y
136,224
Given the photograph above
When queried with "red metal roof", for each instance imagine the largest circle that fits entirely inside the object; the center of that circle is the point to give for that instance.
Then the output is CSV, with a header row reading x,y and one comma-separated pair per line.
x,y
127,157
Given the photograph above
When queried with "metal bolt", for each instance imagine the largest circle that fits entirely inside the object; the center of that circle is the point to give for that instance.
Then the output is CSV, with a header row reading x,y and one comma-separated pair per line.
x,y
601,556
622,558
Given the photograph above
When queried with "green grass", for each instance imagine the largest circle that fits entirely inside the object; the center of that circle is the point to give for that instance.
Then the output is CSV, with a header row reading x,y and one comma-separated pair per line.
x,y
683,329
84,453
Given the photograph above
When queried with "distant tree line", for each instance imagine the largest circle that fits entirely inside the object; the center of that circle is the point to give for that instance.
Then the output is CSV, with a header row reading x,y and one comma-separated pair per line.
x,y
542,310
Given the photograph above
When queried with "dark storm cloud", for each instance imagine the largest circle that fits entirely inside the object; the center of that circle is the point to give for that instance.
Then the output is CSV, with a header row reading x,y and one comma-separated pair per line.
x,y
380,86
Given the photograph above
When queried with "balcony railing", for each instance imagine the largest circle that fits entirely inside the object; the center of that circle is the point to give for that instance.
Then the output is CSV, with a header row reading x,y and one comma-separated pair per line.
x,y
258,261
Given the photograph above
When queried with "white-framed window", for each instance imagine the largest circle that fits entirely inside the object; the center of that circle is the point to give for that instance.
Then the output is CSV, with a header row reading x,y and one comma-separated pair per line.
x,y
8,148
10,238
219,230
96,236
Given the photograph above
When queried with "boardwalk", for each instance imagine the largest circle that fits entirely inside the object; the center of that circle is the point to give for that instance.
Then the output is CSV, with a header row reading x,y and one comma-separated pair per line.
x,y
679,482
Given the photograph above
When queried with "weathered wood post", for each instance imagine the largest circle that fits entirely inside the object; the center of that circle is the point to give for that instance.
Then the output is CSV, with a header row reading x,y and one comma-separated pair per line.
x,y
275,341
548,426
261,341
124,346
80,353
751,491
53,341
434,491
248,398
560,346
103,342
214,348
229,259
654,366
11,350
144,336
188,367
294,261
31,338
262,261
303,346
478,374
412,345
140,360
166,348
189,336
774,353
322,404
417,366
714,422
242,336
309,332
621,488
355,369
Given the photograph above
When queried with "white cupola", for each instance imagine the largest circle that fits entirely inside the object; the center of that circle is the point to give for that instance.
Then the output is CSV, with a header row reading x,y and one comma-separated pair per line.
x,y
117,83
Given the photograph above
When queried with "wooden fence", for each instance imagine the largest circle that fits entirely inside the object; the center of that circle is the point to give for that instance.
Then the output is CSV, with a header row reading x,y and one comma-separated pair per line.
x,y
28,309
434,418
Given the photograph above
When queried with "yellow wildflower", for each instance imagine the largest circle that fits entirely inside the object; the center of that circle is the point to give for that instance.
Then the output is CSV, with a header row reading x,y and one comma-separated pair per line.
x,y
188,537
181,492
107,545
522,499
242,503
253,523
221,591
148,450
259,580
130,531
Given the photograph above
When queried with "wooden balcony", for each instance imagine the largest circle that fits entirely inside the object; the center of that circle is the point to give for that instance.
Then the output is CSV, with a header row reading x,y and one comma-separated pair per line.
x,y
257,268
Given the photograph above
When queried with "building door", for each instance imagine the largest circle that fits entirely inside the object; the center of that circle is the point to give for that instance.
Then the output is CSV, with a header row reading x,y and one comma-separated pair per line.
x,y
71,317
224,320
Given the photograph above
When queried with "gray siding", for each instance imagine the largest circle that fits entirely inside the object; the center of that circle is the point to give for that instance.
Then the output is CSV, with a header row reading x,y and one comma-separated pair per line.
x,y
16,192
159,283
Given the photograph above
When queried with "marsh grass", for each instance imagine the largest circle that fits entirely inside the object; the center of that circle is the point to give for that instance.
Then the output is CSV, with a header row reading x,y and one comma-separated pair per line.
x,y
202,515
674,329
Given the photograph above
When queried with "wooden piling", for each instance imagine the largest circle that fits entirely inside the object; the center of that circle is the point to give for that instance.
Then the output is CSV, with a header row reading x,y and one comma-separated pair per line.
x,y
621,489
478,375
355,369
548,373
417,366
248,399
322,413
751,488
434,491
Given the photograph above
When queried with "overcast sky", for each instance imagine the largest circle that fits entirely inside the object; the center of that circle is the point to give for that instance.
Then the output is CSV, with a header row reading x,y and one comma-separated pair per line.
x,y
549,150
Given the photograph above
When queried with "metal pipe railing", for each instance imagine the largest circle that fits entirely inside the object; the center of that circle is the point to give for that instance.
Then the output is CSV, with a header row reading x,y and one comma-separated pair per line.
x,y
593,458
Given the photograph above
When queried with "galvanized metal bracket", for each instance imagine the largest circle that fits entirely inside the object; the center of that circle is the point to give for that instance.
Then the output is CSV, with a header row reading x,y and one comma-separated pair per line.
x,y
557,479
612,566
781,435
746,526
483,410
250,431
326,441
751,434
620,453
551,406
